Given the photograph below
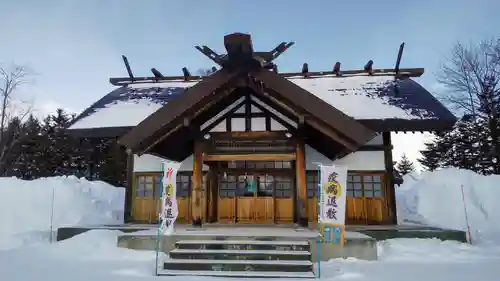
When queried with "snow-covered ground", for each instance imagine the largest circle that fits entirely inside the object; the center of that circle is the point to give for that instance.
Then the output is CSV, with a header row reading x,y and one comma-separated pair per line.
x,y
435,198
26,207
430,198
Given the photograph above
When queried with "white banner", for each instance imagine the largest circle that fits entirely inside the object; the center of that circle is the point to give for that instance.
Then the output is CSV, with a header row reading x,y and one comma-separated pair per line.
x,y
333,180
169,209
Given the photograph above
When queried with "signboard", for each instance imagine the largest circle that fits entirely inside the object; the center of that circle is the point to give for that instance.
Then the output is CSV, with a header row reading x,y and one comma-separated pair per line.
x,y
169,208
332,202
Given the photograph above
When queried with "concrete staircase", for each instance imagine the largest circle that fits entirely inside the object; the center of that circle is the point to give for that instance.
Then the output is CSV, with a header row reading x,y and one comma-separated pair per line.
x,y
240,258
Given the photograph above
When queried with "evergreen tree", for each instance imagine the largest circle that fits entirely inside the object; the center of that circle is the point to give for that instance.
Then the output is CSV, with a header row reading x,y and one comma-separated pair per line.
x,y
29,160
405,166
431,157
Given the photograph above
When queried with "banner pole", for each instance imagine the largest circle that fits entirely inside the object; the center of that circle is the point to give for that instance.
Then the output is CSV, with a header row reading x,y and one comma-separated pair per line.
x,y
466,217
318,239
52,215
159,219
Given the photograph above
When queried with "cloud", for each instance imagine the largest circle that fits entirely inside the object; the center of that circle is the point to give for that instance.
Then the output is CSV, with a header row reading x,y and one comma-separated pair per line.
x,y
409,144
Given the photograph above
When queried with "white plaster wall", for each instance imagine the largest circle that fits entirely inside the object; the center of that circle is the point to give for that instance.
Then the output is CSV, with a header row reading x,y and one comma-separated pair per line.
x,y
151,163
360,160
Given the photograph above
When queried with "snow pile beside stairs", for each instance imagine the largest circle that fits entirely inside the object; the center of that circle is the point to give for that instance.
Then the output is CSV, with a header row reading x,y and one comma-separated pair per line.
x,y
26,207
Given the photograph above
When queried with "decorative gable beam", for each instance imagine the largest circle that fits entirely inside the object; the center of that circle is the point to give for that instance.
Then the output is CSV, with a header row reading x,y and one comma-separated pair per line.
x,y
193,97
315,106
214,121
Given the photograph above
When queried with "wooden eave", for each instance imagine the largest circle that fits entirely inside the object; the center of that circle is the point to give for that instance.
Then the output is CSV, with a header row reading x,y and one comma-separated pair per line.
x,y
321,112
192,99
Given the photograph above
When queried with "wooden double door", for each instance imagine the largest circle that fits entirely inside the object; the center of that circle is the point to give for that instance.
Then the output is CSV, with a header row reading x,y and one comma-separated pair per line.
x,y
255,198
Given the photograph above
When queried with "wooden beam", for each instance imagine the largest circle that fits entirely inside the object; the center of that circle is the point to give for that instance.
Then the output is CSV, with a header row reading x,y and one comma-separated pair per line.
x,y
406,72
389,178
409,72
164,136
274,116
300,171
129,188
249,157
197,184
331,133
193,97
315,106
374,147
249,135
225,116
280,106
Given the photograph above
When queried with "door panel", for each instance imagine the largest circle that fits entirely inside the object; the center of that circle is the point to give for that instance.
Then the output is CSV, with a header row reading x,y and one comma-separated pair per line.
x,y
264,210
284,210
245,212
259,198
226,210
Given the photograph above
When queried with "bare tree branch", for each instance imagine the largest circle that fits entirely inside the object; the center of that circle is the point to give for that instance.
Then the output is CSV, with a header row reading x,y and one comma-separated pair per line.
x,y
11,117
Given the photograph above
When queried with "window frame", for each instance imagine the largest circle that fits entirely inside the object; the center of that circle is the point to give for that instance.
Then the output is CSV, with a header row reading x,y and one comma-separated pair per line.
x,y
312,183
157,187
363,182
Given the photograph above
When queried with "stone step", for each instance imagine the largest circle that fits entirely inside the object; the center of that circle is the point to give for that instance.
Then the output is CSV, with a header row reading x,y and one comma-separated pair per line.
x,y
244,245
239,265
224,254
240,274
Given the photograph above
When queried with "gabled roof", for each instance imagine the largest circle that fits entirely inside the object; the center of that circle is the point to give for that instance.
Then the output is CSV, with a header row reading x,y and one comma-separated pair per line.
x,y
374,98
326,109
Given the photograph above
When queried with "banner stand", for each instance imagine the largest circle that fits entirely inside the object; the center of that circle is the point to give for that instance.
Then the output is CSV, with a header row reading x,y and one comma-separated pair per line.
x,y
332,201
159,220
320,237
168,207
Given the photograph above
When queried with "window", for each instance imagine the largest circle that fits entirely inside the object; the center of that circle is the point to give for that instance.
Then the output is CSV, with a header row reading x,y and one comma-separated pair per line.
x,y
284,186
312,184
367,185
150,185
358,185
260,164
227,186
183,184
266,184
145,186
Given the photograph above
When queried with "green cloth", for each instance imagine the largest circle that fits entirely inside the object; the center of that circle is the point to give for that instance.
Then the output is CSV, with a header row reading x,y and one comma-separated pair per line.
x,y
251,186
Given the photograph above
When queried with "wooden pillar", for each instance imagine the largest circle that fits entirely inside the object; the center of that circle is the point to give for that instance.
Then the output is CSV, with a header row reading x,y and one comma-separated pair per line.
x,y
389,178
300,171
197,184
214,194
129,188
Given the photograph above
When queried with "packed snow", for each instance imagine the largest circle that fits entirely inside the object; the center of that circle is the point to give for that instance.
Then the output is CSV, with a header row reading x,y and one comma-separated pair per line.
x,y
94,256
428,198
435,198
119,114
347,93
26,207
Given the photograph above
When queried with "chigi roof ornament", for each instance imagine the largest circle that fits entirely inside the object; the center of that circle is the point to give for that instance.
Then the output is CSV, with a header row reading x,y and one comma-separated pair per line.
x,y
241,54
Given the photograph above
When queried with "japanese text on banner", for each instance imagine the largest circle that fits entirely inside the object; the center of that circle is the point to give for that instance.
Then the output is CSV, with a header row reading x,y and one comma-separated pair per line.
x,y
169,209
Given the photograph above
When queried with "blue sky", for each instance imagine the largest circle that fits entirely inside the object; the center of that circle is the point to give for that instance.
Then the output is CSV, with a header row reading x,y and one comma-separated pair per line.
x,y
75,46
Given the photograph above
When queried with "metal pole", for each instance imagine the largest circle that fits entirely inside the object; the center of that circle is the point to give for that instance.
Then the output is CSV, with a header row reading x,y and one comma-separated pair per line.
x,y
466,217
159,219
52,215
318,240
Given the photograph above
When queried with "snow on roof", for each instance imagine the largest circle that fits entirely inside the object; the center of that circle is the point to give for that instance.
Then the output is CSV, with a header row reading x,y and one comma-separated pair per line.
x,y
361,97
127,106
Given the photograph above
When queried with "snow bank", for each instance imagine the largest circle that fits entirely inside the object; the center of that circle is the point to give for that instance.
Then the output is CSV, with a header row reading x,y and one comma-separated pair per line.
x,y
26,207
435,198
